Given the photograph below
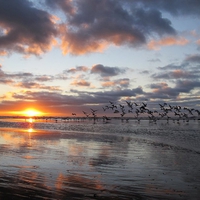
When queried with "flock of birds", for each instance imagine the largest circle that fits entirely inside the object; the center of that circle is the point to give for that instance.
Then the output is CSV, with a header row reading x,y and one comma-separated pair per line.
x,y
136,111
140,110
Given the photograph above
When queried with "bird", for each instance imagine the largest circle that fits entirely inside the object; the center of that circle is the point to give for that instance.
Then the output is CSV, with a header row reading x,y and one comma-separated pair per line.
x,y
86,114
136,104
106,118
129,104
116,111
93,111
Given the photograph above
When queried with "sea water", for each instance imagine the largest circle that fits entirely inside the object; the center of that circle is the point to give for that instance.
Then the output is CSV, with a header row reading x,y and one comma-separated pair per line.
x,y
86,159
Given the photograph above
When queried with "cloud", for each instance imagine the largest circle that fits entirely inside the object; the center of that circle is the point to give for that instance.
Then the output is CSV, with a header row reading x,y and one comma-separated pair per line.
x,y
3,52
76,97
44,78
198,42
26,80
163,91
105,71
158,85
117,83
193,59
27,29
6,81
151,20
187,85
88,26
82,83
154,60
167,41
177,74
145,72
34,85
173,66
92,26
77,69
67,5
175,7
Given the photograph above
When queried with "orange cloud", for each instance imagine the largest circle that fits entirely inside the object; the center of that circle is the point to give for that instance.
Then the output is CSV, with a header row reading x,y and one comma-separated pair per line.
x,y
73,44
120,82
160,86
80,83
54,18
78,69
167,41
178,73
108,84
3,53
198,42
38,49
120,38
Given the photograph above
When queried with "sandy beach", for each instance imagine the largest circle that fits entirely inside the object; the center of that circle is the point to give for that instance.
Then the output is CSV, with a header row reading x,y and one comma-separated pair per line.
x,y
138,163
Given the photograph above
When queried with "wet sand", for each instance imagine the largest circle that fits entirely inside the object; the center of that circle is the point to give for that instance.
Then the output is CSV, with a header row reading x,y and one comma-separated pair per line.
x,y
48,164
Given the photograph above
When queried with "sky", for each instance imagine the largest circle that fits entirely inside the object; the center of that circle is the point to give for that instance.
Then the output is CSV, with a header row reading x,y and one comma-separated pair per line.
x,y
67,56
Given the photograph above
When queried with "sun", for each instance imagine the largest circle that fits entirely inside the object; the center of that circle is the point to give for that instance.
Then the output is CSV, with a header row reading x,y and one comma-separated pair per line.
x,y
31,112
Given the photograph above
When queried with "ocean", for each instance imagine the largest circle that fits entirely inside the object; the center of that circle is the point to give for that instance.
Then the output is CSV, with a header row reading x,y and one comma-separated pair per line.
x,y
80,159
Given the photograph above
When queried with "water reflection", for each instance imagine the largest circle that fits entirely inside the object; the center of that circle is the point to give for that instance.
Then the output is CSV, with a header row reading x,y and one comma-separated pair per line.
x,y
30,130
42,164
30,120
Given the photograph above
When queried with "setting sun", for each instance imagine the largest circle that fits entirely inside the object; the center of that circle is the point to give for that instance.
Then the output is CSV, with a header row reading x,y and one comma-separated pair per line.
x,y
31,112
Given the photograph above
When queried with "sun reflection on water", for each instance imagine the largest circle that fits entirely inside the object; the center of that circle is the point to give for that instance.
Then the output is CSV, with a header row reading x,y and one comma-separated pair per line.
x,y
30,120
30,130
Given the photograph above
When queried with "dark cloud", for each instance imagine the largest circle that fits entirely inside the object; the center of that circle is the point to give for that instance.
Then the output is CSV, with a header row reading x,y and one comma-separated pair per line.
x,y
151,20
164,91
187,85
82,82
106,71
175,7
95,24
28,30
85,100
81,97
124,83
145,72
177,74
34,85
67,5
115,95
26,80
77,69
160,76
173,66
154,60
6,81
193,59
43,78
158,85
88,26
2,74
